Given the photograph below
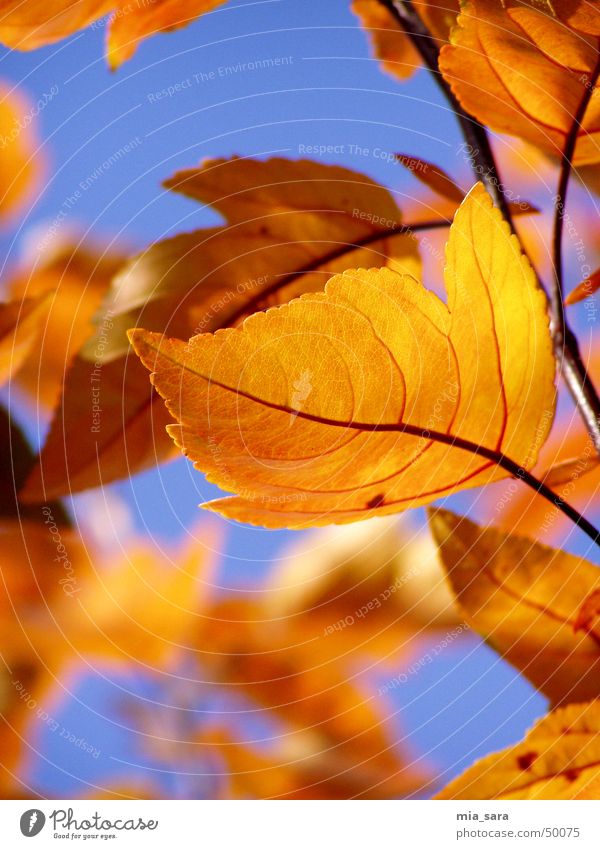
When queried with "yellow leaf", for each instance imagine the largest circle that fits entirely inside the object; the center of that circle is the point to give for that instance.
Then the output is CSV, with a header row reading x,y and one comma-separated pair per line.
x,y
558,759
525,600
290,225
524,72
303,411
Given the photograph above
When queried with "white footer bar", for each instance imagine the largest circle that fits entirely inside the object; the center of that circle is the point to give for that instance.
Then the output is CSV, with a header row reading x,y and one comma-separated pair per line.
x,y
305,825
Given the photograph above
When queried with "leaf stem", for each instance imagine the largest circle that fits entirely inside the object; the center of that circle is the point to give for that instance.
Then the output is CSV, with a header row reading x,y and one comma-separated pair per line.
x,y
496,457
483,163
563,337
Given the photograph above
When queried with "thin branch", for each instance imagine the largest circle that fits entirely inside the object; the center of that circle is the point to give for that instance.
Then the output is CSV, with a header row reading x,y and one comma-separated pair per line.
x,y
483,163
565,341
495,457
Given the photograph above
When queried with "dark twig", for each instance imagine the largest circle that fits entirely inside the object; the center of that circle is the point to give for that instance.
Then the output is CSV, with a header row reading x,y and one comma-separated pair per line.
x,y
497,458
565,342
255,303
483,163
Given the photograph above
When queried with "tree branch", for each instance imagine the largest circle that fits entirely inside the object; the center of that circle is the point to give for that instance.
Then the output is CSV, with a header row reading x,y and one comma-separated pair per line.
x,y
483,163
565,342
497,458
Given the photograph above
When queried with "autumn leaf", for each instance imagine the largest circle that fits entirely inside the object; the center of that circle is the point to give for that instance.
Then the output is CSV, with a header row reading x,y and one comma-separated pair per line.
x,y
436,179
127,30
558,759
289,226
16,461
390,43
70,279
569,471
524,72
21,161
525,600
27,25
303,411
582,16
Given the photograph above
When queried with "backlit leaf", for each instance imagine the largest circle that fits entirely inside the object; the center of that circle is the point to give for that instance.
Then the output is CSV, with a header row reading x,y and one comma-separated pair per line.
x,y
302,412
72,279
290,225
127,28
525,600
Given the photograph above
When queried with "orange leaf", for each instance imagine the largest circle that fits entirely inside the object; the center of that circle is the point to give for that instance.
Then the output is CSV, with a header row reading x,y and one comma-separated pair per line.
x,y
434,177
524,72
569,471
290,225
584,289
20,322
28,24
526,601
72,279
302,411
127,29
